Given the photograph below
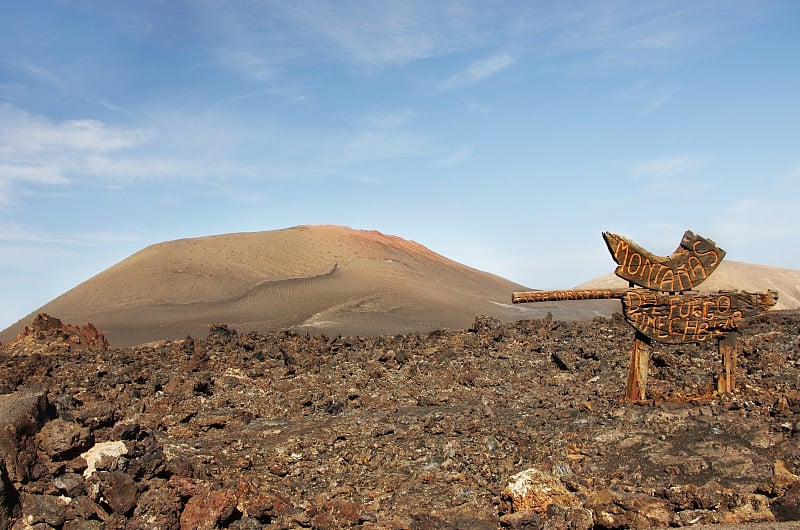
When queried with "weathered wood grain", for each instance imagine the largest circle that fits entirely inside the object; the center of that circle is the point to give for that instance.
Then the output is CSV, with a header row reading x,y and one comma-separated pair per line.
x,y
637,373
522,297
728,349
692,262
690,317
670,318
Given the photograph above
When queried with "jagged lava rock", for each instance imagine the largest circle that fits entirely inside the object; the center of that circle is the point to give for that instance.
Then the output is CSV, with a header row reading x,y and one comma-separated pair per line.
x,y
48,334
419,430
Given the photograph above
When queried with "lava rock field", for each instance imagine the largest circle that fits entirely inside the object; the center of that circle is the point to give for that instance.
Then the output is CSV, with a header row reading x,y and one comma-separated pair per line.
x,y
517,425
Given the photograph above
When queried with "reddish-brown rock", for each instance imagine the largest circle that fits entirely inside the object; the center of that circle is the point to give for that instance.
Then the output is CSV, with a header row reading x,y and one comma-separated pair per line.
x,y
207,511
60,439
48,334
115,489
23,413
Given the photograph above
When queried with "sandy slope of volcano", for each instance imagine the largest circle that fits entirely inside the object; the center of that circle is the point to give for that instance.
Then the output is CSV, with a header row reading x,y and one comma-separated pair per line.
x,y
325,279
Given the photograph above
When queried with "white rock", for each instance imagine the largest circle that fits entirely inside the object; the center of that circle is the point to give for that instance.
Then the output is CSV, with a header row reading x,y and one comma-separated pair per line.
x,y
98,451
535,490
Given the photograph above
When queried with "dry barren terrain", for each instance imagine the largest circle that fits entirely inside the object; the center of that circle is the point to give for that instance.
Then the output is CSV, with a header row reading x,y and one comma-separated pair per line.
x,y
319,279
515,425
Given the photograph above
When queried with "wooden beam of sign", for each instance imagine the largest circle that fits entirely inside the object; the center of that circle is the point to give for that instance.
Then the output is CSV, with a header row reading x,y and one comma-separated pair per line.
x,y
523,297
692,262
689,317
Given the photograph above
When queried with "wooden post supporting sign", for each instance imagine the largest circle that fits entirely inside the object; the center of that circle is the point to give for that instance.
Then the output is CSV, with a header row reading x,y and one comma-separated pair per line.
x,y
728,346
637,374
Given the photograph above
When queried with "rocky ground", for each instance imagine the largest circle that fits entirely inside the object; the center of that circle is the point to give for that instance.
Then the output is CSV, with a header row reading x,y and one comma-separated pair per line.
x,y
517,425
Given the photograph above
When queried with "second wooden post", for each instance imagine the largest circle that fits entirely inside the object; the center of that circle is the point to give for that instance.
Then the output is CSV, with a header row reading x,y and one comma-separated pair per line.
x,y
637,375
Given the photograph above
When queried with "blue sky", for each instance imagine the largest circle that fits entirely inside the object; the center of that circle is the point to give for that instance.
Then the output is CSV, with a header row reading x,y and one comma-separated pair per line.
x,y
504,135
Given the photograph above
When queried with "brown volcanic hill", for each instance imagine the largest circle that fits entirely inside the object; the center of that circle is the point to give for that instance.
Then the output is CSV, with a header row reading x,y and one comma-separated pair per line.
x,y
327,279
733,275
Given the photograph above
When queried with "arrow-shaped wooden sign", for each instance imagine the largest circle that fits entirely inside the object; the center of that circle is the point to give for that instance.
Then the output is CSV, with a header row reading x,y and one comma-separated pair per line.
x,y
690,317
692,262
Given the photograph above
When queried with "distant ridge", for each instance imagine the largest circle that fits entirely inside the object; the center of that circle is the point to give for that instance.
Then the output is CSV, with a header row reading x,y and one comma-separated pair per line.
x,y
319,278
323,279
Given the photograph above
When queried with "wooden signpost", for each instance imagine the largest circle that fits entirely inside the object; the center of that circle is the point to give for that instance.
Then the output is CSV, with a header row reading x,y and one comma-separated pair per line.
x,y
664,308
686,268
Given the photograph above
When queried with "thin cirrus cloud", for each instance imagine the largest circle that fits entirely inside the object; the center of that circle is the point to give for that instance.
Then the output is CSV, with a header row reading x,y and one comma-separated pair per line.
x,y
793,176
744,221
628,28
660,101
264,40
370,146
477,71
260,39
669,166
456,157
384,33
256,66
667,175
387,119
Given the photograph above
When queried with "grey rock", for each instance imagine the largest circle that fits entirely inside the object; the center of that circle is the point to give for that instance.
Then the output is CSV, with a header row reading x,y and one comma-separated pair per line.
x,y
115,489
82,507
70,484
43,509
61,440
23,413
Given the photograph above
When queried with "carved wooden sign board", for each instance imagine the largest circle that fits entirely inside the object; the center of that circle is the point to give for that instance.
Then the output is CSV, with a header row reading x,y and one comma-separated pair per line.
x,y
664,308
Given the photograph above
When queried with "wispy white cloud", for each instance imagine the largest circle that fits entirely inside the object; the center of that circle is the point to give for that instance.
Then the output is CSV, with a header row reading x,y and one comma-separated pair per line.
x,y
43,173
625,32
25,133
386,33
636,88
476,107
268,40
35,150
249,62
41,155
668,166
377,145
477,71
660,101
37,153
456,157
387,119
366,179
11,232
671,175
752,220
793,175
258,38
41,74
